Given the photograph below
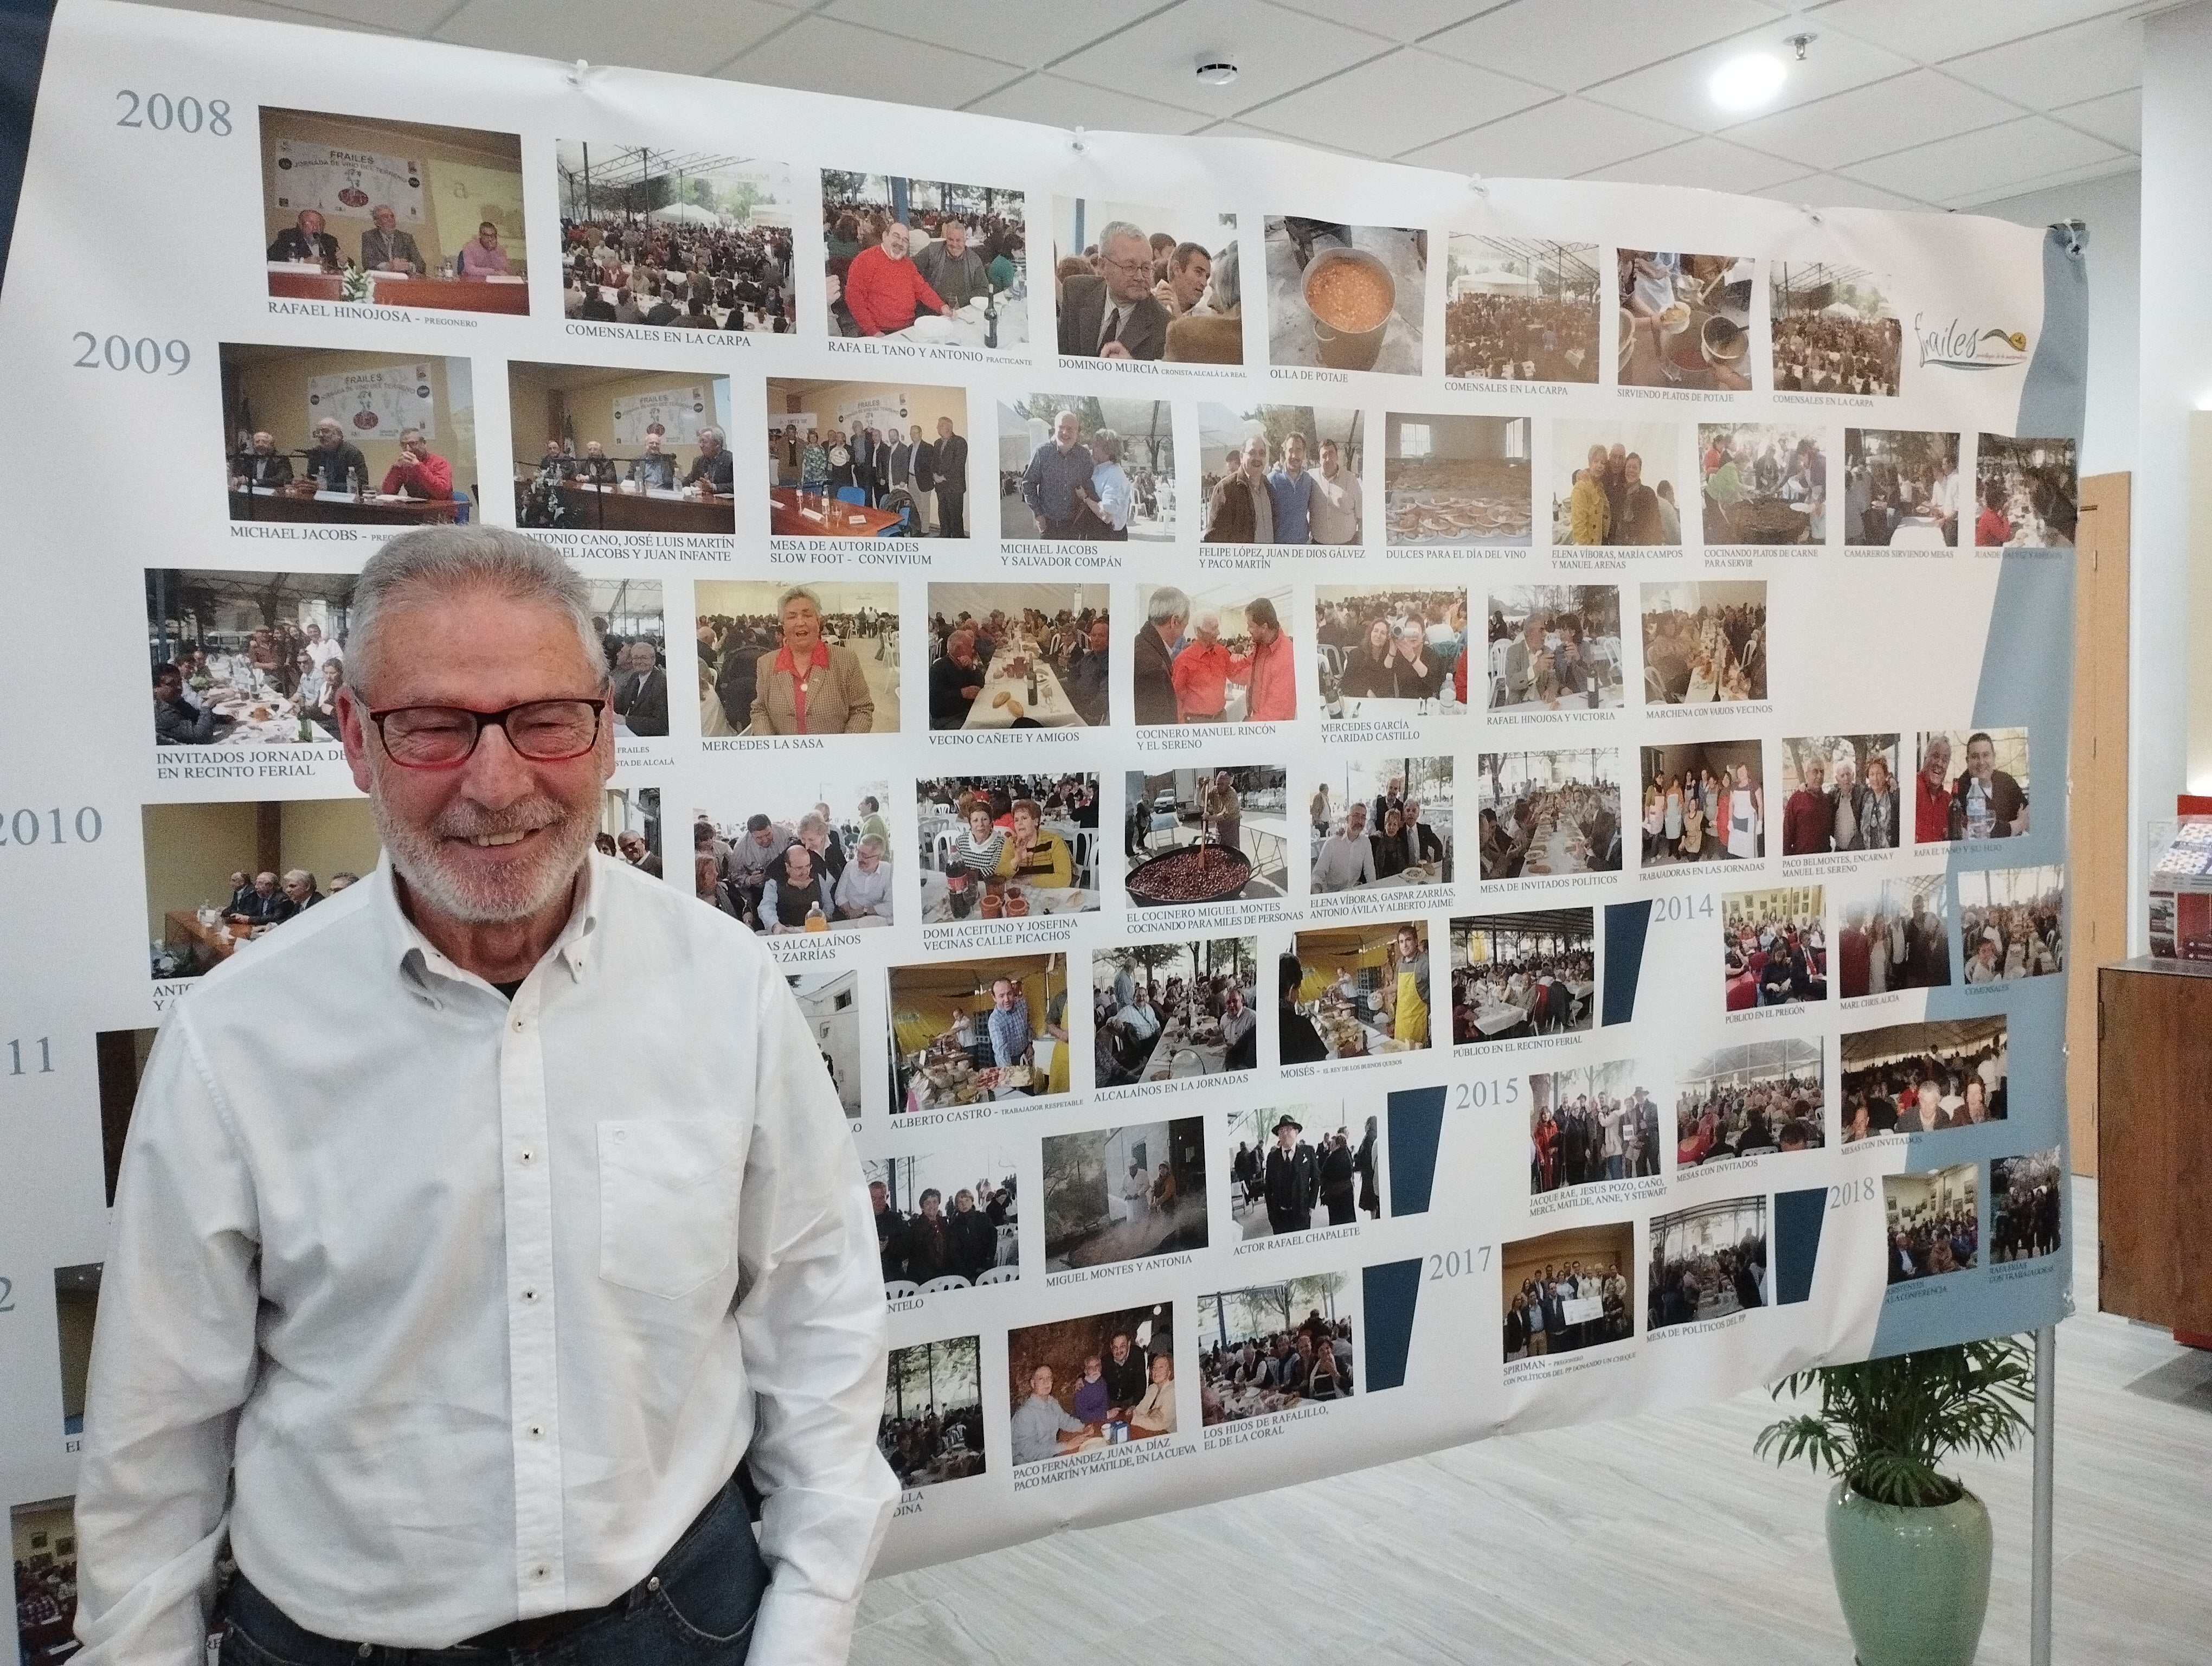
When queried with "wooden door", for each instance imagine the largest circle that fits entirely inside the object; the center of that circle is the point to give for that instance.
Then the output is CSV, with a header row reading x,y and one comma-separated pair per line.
x,y
2097,798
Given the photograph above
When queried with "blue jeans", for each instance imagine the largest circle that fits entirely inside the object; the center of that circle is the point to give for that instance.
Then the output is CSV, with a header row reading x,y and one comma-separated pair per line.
x,y
698,1606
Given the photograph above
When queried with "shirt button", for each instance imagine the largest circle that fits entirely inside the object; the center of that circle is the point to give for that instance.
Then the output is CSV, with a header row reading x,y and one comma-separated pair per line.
x,y
526,1154
530,1295
539,1572
520,1023
537,1429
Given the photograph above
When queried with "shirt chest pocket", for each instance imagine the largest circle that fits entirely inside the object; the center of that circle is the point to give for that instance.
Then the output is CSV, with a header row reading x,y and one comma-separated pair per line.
x,y
667,1212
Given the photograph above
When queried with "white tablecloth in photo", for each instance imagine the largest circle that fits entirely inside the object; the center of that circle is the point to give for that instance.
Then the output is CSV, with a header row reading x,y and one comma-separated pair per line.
x,y
1608,697
1554,852
1917,535
1052,708
937,907
282,725
967,327
1496,1020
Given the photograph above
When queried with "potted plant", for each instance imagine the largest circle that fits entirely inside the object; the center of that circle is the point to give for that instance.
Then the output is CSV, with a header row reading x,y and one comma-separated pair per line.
x,y
1910,1545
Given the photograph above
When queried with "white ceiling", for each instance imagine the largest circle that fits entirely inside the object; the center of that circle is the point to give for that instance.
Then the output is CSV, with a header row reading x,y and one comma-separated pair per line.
x,y
1898,103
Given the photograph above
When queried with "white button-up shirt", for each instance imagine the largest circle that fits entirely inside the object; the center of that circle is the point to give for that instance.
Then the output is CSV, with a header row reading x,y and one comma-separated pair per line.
x,y
484,1300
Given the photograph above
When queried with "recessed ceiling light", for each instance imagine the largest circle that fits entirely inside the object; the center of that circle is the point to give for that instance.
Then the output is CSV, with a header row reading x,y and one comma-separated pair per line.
x,y
1217,72
1746,82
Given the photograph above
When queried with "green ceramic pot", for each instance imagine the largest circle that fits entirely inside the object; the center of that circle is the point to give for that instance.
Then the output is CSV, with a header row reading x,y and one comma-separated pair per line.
x,y
1914,1584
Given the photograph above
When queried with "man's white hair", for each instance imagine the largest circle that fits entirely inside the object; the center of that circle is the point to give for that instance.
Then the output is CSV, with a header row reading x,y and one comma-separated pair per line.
x,y
1117,228
436,561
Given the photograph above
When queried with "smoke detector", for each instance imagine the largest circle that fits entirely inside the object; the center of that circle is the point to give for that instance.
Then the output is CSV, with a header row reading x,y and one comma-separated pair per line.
x,y
1216,71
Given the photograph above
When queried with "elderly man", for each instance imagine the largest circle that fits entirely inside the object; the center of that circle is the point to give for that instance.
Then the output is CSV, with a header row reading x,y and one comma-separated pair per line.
x,y
641,691
954,682
334,464
265,904
263,466
1239,1030
1291,488
754,856
1184,289
1242,509
319,1335
1931,792
864,888
952,481
1087,676
1007,1024
306,241
418,471
654,469
1531,673
1200,673
955,270
1333,514
1346,857
1114,315
177,721
482,257
1153,662
1041,1428
1058,474
595,465
883,292
385,248
300,890
711,470
1808,817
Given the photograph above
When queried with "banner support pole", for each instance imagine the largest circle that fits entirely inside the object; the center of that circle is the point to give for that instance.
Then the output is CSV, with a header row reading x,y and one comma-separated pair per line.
x,y
2046,1428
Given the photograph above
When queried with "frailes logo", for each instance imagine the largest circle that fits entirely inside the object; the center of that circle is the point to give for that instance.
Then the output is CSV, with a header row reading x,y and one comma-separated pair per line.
x,y
1961,346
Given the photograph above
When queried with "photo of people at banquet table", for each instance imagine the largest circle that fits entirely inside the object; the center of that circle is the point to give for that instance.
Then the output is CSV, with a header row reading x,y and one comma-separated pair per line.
x,y
597,449
1345,297
1934,1222
2012,922
1835,330
626,616
1280,474
1073,467
321,434
688,240
1684,319
945,1219
1705,641
783,658
2024,1207
1133,281
795,854
925,263
1894,934
1019,656
1214,833
398,213
2027,493
1216,653
1124,1193
1902,489
1614,483
1750,1101
933,1424
1774,946
220,876
1924,1078
1707,1261
1007,847
1520,309
1380,819
1555,647
1550,813
1351,992
1703,802
1283,1181
1515,976
1456,479
1171,1010
246,659
965,1031
1839,792
1763,483
1274,1347
866,459
1566,1291
1969,785
1387,652
1082,1385
1591,1125
44,1538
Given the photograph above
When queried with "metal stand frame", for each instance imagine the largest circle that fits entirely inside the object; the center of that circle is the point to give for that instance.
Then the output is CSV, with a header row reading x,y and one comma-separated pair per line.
x,y
2046,1424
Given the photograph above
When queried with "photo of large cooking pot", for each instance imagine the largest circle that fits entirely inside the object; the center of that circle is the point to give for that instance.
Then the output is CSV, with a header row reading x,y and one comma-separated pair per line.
x,y
1195,873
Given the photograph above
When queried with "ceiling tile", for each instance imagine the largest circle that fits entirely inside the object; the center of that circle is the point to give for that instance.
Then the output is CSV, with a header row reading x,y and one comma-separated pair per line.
x,y
1571,43
1031,32
2063,67
1401,19
2117,117
383,17
1982,164
1930,33
820,55
1821,190
1554,141
1061,103
1275,52
687,36
1394,104
1676,90
2046,183
1907,110
1707,164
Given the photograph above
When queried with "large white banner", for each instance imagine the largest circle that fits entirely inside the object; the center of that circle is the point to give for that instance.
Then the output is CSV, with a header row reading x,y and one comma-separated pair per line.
x,y
333,181
678,412
375,404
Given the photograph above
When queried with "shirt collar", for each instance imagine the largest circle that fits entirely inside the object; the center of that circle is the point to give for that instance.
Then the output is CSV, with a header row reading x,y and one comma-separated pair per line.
x,y
421,964
784,662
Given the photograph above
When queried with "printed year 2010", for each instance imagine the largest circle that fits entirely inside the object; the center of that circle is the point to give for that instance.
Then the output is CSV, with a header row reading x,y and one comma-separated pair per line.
x,y
29,827
180,112
1453,1262
1664,909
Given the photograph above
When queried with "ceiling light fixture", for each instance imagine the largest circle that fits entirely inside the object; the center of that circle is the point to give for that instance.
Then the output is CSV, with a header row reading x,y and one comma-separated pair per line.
x,y
1216,71
1746,82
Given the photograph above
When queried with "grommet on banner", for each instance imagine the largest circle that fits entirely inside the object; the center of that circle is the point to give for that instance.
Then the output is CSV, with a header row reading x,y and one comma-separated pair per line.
x,y
2074,230
1474,184
576,75
1075,141
1810,212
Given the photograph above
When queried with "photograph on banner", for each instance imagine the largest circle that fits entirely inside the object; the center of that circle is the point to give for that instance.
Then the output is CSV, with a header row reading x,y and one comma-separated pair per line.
x,y
1750,1101
1380,819
678,238
1835,330
1281,1182
2024,1207
597,449
402,214
77,1306
1274,1347
1614,482
753,633
933,1424
328,434
1901,489
866,459
1684,319
626,614
219,877
789,851
830,1001
1839,792
1133,281
1567,1290
1705,641
1892,933
1217,833
1456,479
1019,656
1970,785
1345,297
1386,651
1174,1011
1521,309
246,659
1280,474
1708,1261
1351,992
1549,813
945,1219
1082,1385
1216,653
1555,647
44,1536
119,1056
925,262
1704,801
1124,1193
1072,466
1774,947
1924,1078
1763,483
967,1031
1935,1226
2012,922
1007,847
2028,493
630,827
1514,975
1591,1125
